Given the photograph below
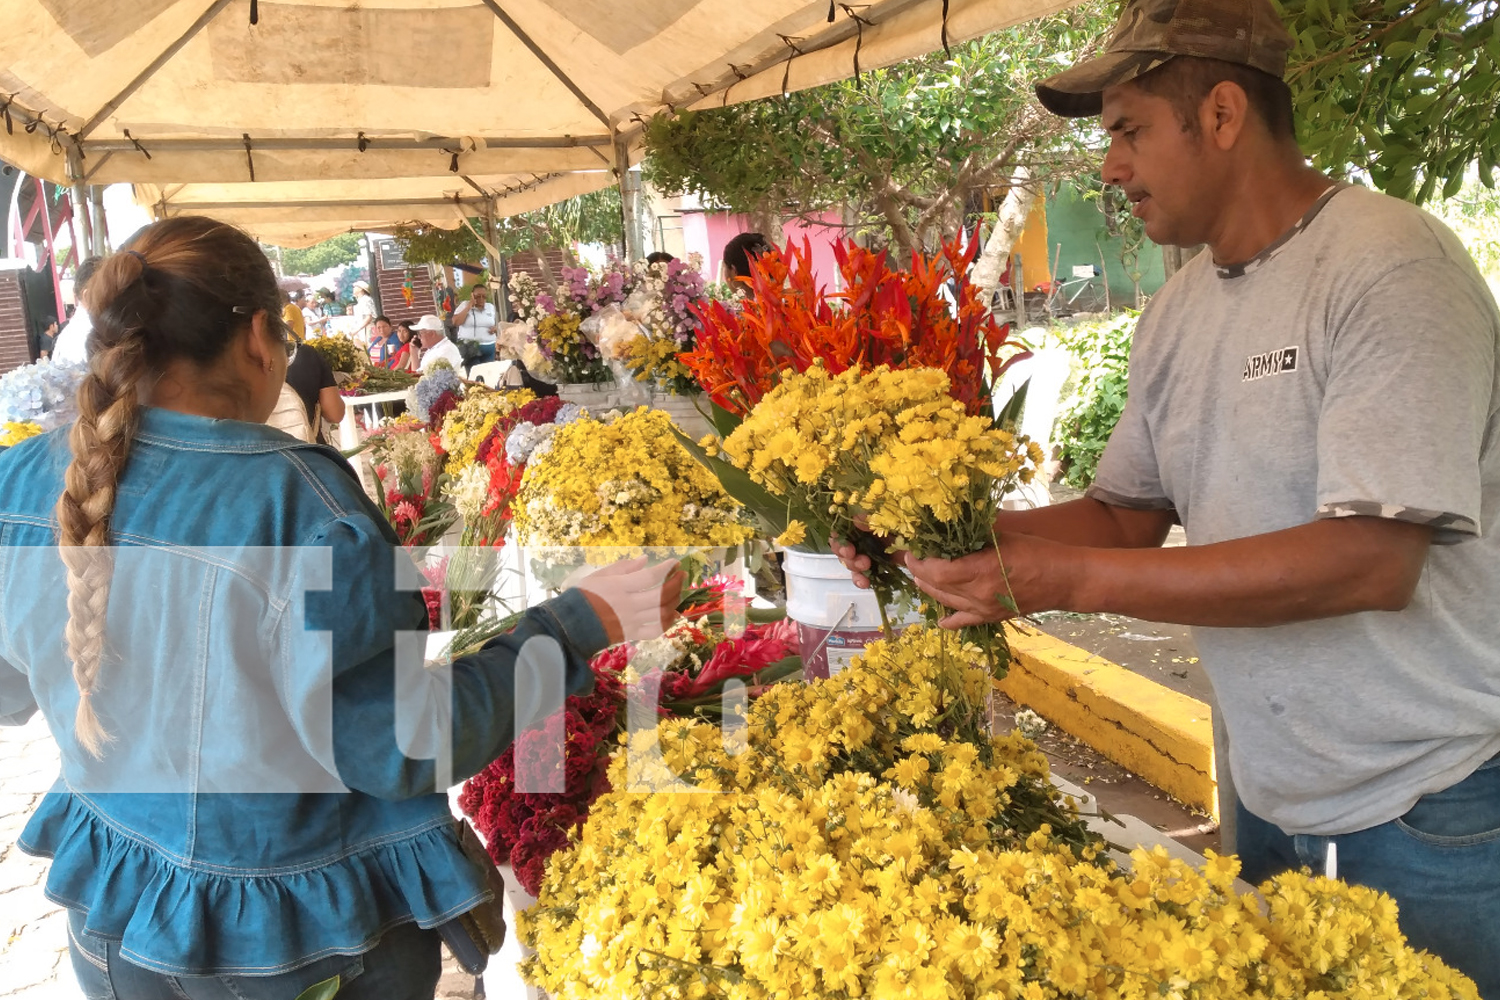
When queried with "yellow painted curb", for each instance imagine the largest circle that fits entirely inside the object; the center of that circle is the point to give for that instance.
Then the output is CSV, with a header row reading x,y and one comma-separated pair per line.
x,y
1163,736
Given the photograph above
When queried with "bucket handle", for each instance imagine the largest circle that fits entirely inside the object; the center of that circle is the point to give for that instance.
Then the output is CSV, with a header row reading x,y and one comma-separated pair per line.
x,y
828,634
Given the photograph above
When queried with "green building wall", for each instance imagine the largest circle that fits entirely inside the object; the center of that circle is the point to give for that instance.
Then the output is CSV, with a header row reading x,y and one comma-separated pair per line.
x,y
1078,226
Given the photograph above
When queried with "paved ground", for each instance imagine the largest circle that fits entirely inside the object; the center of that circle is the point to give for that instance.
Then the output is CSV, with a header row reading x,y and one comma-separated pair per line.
x,y
34,961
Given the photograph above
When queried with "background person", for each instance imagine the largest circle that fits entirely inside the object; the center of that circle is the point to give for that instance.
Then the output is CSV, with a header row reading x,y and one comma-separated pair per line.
x,y
1336,468
46,340
364,314
281,837
474,325
309,375
738,253
436,345
383,341
314,315
73,342
291,315
404,357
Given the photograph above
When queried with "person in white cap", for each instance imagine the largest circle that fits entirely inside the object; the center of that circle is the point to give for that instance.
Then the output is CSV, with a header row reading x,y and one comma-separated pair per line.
x,y
435,344
364,313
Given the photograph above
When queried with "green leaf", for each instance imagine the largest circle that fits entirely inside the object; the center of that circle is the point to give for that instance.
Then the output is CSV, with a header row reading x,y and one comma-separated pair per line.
x,y
750,494
1009,417
325,990
724,422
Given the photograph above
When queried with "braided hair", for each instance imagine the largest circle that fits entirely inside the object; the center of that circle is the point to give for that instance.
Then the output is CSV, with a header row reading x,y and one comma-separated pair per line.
x,y
181,289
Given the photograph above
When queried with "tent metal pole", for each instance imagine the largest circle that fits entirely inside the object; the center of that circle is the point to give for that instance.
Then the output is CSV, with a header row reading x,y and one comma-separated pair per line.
x,y
492,235
114,103
101,227
548,62
81,203
629,201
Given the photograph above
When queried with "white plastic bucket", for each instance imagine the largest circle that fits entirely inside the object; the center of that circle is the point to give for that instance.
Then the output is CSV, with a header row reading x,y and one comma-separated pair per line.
x,y
835,619
596,397
684,412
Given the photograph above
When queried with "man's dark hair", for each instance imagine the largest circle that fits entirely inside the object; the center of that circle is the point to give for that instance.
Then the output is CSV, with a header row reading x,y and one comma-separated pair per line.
x,y
383,319
739,251
1187,80
85,273
659,257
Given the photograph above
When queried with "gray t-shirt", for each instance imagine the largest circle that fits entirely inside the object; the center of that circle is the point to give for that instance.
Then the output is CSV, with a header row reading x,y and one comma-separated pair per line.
x,y
1349,369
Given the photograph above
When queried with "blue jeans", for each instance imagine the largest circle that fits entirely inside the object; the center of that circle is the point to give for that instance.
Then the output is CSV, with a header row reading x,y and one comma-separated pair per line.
x,y
1440,862
404,965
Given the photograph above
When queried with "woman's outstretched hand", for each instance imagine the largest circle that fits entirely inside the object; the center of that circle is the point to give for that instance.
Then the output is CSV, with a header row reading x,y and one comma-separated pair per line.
x,y
634,600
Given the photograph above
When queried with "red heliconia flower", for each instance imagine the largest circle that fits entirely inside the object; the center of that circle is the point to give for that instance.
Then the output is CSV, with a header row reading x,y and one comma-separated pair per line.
x,y
930,316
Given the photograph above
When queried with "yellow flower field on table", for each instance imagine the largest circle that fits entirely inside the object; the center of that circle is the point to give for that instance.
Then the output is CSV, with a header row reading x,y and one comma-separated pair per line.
x,y
624,482
871,841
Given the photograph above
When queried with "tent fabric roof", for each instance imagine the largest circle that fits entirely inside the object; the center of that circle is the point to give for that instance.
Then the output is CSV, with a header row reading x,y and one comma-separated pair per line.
x,y
504,95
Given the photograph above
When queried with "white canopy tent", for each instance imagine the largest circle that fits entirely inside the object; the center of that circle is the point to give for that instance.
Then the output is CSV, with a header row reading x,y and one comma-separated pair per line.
x,y
326,115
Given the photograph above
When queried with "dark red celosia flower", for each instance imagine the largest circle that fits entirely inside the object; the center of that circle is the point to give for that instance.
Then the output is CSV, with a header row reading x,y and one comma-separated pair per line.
x,y
440,408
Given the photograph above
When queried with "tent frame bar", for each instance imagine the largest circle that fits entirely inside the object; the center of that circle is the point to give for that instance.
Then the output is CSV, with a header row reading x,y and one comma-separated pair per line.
x,y
215,206
548,62
156,64
847,28
440,143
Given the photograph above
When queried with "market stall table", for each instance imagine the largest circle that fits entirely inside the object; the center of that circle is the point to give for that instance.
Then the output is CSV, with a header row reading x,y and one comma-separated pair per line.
x,y
349,427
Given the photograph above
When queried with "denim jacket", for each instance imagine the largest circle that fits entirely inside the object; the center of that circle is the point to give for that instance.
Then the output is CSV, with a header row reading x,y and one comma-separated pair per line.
x,y
272,792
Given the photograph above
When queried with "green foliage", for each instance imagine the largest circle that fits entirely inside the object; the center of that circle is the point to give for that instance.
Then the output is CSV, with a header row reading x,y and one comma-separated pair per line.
x,y
905,149
1474,216
341,249
423,244
1101,358
326,990
587,218
1402,91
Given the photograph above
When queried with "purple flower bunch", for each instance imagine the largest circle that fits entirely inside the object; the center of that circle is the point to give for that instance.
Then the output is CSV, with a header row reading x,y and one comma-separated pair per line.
x,y
583,294
683,286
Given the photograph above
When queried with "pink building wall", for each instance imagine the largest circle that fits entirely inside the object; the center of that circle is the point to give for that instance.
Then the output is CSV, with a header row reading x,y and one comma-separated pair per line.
x,y
706,233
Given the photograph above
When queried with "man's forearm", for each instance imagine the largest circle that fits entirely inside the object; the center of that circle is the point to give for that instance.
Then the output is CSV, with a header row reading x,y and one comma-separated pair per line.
x,y
1318,570
1089,523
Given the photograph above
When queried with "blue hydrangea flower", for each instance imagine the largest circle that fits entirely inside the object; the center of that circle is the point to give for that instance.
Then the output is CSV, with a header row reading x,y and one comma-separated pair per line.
x,y
44,393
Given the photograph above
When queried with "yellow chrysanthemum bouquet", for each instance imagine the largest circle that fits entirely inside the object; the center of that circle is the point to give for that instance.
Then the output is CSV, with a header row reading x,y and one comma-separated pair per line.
x,y
889,459
862,836
622,484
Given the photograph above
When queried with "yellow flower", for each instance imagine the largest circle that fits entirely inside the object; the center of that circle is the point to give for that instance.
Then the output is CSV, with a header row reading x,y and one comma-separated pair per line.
x,y
795,534
13,432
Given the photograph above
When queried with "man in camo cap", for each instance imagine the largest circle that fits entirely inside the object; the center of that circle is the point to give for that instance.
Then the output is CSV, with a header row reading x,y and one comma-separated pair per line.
x,y
1316,399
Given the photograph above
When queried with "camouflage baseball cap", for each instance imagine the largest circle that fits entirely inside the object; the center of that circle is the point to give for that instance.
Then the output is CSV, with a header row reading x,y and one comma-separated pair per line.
x,y
1150,32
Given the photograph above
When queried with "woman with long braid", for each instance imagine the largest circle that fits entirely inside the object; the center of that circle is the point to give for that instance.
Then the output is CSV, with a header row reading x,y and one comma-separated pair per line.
x,y
209,615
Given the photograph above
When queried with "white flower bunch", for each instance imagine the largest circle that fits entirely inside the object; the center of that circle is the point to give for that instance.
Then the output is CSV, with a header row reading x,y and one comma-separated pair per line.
x,y
469,492
615,494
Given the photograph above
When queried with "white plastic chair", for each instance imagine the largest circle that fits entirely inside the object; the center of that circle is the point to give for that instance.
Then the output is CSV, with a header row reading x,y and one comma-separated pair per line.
x,y
491,373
